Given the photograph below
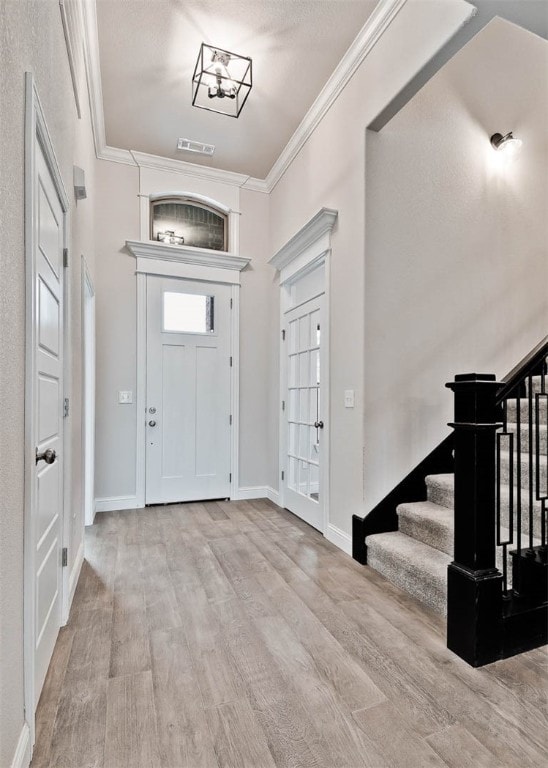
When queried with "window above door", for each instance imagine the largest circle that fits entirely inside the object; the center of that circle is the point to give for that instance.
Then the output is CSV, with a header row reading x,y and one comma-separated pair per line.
x,y
179,220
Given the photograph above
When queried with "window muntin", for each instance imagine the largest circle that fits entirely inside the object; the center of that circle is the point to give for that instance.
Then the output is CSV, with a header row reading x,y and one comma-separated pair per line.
x,y
198,224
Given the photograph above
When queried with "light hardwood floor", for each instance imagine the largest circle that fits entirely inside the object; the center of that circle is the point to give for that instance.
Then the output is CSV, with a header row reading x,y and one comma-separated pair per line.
x,y
232,635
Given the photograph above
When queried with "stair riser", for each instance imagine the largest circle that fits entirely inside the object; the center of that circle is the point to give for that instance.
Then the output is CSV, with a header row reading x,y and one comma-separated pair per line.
x,y
527,440
437,536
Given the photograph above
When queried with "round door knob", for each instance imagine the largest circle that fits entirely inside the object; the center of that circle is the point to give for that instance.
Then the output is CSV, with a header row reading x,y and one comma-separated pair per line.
x,y
318,424
48,456
152,423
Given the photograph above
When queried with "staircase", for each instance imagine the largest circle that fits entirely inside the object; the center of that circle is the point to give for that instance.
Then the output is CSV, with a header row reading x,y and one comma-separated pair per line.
x,y
472,544
416,556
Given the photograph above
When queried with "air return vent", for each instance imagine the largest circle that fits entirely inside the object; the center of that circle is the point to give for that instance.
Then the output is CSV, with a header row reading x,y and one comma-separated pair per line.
x,y
187,145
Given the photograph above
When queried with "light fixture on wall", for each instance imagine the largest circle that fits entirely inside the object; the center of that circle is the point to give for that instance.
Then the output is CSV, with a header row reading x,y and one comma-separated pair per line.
x,y
171,238
506,144
221,81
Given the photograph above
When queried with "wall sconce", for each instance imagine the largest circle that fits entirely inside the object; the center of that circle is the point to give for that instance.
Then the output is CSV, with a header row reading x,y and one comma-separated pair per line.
x,y
170,238
507,144
221,81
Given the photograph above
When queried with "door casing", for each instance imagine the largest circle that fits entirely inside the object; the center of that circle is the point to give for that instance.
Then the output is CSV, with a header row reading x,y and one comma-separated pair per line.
x,y
36,131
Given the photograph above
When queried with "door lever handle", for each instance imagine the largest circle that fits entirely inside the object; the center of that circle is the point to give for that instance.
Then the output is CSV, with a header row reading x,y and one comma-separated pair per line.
x,y
318,424
48,456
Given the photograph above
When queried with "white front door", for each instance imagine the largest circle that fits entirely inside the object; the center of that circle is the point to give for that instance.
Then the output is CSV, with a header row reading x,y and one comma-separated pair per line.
x,y
303,492
188,419
46,369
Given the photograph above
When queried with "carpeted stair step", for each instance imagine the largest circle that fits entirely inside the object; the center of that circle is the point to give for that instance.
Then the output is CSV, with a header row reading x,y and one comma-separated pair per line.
x,y
524,462
412,565
429,523
524,435
440,489
512,409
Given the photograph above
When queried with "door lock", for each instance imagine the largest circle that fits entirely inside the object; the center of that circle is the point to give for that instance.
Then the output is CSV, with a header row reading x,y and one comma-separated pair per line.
x,y
152,410
48,456
318,424
152,423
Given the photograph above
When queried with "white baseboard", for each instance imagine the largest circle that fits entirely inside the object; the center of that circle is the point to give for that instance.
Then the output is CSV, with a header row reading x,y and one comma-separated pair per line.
x,y
75,573
273,495
21,757
115,503
339,538
251,492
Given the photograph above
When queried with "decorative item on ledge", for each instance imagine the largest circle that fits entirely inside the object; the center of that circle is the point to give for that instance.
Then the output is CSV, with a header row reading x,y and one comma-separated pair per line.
x,y
507,144
221,81
170,238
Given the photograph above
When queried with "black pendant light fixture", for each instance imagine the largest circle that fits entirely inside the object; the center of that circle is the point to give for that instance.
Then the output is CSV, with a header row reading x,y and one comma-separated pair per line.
x,y
222,81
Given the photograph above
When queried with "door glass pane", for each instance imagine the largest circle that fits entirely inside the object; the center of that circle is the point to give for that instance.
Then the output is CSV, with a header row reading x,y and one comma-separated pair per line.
x,y
293,371
303,368
293,405
293,468
188,313
293,333
314,487
303,477
303,411
304,325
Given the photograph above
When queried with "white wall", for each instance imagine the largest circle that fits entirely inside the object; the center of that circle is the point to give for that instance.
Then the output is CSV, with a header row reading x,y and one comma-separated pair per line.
x,y
456,267
32,40
119,209
330,171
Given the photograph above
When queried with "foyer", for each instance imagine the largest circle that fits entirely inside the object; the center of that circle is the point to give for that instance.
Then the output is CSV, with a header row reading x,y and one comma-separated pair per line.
x,y
232,635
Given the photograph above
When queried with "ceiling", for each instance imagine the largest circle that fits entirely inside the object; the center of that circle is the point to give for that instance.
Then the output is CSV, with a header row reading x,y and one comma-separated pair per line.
x,y
148,50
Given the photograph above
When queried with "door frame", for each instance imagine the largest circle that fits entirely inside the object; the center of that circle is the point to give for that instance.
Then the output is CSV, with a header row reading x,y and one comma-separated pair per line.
x,y
36,130
201,265
88,392
307,250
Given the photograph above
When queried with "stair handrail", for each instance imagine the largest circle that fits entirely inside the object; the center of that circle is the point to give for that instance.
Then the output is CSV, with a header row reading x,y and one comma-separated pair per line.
x,y
527,366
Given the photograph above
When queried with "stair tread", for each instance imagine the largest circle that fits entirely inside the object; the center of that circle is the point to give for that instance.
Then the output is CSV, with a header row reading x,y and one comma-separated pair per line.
x,y
415,553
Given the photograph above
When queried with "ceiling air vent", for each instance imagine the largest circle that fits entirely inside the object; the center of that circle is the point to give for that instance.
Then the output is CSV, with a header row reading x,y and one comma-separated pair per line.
x,y
187,145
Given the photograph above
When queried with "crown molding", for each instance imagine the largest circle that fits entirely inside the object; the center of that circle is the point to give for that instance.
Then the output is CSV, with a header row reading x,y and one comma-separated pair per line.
x,y
375,26
184,254
320,224
383,15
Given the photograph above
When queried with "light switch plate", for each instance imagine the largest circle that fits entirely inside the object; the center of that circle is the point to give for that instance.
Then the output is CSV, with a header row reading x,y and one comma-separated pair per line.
x,y
348,398
125,397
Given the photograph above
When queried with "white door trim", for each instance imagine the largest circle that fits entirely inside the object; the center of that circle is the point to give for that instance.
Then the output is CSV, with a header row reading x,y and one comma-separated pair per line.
x,y
221,271
35,130
88,392
307,249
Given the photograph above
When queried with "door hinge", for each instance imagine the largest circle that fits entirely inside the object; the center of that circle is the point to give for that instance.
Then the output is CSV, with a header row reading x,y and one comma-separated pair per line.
x,y
230,419
283,405
283,335
66,408
231,361
230,303
65,257
283,475
230,478
64,557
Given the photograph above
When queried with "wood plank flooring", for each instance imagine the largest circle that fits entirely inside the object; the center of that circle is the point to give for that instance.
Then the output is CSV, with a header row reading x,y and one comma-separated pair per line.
x,y
232,635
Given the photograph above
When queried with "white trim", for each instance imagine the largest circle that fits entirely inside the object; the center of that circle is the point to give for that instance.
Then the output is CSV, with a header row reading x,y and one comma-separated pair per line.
x,y
144,160
307,237
21,756
115,503
141,399
73,31
36,130
75,572
375,26
185,254
339,538
87,294
235,389
251,492
273,495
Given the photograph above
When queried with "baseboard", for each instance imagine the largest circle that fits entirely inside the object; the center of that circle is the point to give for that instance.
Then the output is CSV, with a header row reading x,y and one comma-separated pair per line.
x,y
115,503
75,573
339,538
251,492
21,757
273,495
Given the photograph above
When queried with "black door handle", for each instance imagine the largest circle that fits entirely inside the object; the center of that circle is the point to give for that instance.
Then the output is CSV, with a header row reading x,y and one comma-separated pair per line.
x,y
318,424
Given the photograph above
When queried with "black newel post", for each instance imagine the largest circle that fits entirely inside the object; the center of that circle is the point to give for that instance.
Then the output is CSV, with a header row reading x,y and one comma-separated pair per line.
x,y
474,585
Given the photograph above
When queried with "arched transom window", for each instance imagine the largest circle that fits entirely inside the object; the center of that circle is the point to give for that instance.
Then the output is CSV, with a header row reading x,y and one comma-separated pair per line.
x,y
185,221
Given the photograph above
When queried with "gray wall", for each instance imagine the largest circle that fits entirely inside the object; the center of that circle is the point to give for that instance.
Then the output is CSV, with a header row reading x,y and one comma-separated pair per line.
x,y
456,267
32,40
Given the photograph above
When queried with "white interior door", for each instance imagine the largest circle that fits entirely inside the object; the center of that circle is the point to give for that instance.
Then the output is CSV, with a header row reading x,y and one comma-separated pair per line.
x,y
303,492
46,508
188,419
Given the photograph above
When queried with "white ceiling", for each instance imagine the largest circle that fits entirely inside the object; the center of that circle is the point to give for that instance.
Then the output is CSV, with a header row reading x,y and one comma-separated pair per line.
x,y
148,50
